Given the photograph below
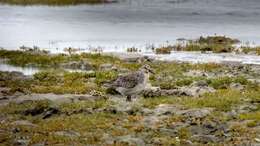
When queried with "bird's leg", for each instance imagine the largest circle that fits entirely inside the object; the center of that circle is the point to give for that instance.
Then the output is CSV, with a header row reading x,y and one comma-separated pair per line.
x,y
129,98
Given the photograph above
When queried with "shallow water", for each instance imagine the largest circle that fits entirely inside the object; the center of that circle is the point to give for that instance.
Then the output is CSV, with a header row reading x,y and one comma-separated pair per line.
x,y
191,57
196,57
24,70
137,23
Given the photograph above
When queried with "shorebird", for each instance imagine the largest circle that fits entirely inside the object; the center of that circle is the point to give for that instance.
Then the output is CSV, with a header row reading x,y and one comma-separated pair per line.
x,y
134,83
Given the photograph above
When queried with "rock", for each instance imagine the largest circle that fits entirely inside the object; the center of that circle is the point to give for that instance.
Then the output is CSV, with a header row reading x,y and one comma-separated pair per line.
x,y
156,141
198,129
257,140
178,125
132,59
3,97
195,113
196,73
82,65
171,92
39,144
186,143
232,114
23,123
34,111
50,112
168,132
4,91
43,111
201,83
245,108
13,76
128,139
150,121
205,139
21,142
237,86
151,92
146,111
54,98
208,128
69,133
165,109
107,67
107,139
137,59
256,81
196,91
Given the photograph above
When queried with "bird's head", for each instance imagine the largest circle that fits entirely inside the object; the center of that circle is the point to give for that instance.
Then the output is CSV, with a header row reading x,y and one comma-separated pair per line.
x,y
147,69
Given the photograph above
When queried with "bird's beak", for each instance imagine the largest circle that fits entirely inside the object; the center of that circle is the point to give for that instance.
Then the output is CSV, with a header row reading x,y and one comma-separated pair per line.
x,y
151,71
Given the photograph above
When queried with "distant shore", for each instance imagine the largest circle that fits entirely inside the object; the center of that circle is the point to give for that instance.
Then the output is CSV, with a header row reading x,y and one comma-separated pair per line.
x,y
54,2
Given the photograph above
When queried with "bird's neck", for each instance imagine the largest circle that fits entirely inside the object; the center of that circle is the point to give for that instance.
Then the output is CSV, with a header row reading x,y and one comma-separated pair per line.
x,y
146,77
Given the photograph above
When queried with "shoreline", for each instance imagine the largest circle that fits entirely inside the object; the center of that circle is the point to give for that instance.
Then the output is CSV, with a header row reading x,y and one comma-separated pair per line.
x,y
195,102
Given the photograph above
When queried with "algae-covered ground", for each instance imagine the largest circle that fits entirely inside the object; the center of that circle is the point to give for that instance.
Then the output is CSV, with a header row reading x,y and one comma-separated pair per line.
x,y
215,44
197,104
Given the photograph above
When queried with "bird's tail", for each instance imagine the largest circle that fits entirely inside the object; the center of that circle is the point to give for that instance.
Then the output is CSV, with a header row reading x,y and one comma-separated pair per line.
x,y
110,88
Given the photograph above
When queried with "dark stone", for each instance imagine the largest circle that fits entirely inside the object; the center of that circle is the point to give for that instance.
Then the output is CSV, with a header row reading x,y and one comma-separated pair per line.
x,y
21,142
35,111
46,112
82,65
205,139
50,112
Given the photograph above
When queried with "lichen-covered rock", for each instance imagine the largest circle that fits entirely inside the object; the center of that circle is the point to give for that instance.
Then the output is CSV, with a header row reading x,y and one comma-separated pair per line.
x,y
165,109
68,133
195,113
196,73
237,86
82,65
205,138
196,91
21,142
23,123
130,140
107,67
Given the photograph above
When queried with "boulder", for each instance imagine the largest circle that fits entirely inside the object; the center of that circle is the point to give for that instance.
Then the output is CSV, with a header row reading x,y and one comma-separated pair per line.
x,y
201,83
196,73
107,67
21,142
196,91
68,133
39,144
195,113
23,123
129,140
137,58
82,65
237,86
205,138
14,75
165,109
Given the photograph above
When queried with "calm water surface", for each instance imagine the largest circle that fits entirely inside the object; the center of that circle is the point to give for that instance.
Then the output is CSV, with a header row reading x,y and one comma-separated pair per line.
x,y
138,23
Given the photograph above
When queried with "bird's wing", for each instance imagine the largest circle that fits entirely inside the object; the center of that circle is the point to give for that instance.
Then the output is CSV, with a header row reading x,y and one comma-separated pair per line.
x,y
130,80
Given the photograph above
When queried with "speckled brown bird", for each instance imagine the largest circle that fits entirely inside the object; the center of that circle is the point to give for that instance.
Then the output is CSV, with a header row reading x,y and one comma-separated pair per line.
x,y
134,83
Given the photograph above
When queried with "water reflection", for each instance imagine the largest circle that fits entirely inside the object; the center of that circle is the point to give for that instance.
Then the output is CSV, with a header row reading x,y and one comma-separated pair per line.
x,y
24,70
127,24
191,57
